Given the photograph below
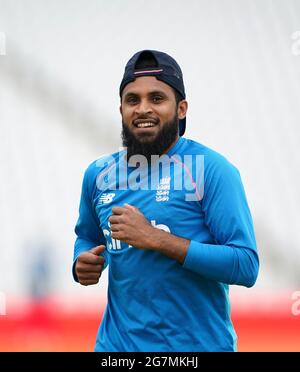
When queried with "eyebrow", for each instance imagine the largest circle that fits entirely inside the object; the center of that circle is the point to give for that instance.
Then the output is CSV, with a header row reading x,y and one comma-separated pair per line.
x,y
152,93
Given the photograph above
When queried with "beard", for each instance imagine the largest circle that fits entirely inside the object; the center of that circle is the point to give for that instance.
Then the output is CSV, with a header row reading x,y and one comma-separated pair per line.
x,y
147,145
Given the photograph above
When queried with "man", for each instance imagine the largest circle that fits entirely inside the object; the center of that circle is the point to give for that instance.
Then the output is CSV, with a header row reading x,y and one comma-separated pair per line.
x,y
172,250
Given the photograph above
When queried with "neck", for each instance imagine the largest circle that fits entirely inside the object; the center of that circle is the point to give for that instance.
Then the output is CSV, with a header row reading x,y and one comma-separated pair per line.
x,y
172,145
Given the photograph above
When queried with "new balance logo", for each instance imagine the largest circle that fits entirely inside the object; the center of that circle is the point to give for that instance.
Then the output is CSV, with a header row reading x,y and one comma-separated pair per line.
x,y
106,198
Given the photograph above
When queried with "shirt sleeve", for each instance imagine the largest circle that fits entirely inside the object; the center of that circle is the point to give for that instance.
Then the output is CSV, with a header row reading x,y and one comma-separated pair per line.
x,y
87,229
232,258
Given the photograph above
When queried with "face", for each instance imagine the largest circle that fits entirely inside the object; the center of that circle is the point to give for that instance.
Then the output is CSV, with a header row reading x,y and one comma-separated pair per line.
x,y
150,116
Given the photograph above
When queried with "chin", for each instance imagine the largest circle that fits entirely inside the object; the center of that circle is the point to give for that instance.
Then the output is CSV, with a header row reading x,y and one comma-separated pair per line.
x,y
146,139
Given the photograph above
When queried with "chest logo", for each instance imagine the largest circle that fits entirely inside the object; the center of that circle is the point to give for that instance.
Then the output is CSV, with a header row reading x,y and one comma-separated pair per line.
x,y
106,198
163,190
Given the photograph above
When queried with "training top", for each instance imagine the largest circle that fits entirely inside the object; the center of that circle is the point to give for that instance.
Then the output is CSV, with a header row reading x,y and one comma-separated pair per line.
x,y
155,303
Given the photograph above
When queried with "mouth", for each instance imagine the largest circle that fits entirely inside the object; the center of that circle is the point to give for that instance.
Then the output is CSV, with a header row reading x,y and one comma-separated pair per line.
x,y
145,124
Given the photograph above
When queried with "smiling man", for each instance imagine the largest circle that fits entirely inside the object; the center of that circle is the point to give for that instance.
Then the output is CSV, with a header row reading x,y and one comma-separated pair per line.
x,y
171,257
150,116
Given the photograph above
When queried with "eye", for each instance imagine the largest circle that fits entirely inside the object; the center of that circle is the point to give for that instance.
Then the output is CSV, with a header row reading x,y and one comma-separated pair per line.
x,y
157,98
131,100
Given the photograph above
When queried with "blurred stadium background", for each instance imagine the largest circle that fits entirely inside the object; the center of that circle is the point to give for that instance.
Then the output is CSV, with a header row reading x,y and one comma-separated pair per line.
x,y
60,67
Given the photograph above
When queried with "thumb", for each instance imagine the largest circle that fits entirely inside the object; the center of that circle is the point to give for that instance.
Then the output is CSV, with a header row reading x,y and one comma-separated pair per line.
x,y
97,250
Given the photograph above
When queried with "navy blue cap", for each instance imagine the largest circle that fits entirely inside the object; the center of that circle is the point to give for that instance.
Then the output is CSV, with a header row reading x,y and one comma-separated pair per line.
x,y
166,69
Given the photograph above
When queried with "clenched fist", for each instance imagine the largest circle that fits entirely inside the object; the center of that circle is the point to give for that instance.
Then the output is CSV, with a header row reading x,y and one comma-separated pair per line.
x,y
89,266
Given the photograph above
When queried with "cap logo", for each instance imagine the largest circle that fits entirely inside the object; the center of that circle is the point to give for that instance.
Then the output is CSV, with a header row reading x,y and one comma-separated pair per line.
x,y
147,71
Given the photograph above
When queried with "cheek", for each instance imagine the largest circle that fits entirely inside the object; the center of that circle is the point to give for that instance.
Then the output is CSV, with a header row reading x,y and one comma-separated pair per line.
x,y
127,112
167,112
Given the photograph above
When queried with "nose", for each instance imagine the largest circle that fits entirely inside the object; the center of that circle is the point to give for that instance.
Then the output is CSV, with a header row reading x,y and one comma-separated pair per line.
x,y
144,107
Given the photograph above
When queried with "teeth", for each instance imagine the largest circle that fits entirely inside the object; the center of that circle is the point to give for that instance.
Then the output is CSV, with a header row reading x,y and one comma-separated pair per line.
x,y
145,125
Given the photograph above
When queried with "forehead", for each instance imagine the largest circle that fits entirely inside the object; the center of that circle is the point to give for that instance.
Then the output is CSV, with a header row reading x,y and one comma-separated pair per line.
x,y
147,84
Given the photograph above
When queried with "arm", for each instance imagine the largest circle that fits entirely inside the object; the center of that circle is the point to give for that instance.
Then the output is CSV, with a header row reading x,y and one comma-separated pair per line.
x,y
89,234
232,260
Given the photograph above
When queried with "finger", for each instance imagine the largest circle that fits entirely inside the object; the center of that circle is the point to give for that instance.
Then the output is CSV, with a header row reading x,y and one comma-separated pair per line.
x,y
90,276
90,258
117,210
116,235
114,219
89,282
86,268
98,250
131,207
115,227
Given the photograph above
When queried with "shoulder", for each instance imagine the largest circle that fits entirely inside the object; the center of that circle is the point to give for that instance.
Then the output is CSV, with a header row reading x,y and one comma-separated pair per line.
x,y
100,165
215,163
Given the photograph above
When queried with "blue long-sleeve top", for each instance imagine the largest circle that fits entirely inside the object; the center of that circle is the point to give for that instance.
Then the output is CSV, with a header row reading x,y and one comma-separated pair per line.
x,y
154,302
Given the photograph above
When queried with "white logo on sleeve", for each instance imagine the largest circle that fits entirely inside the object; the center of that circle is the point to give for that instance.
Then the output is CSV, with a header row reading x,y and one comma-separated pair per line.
x,y
106,198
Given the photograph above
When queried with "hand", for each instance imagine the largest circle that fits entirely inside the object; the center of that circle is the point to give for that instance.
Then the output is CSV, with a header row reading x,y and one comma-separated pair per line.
x,y
89,266
129,225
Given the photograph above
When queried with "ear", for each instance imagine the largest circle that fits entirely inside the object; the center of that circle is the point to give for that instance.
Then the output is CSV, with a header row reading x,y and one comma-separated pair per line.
x,y
121,111
182,109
